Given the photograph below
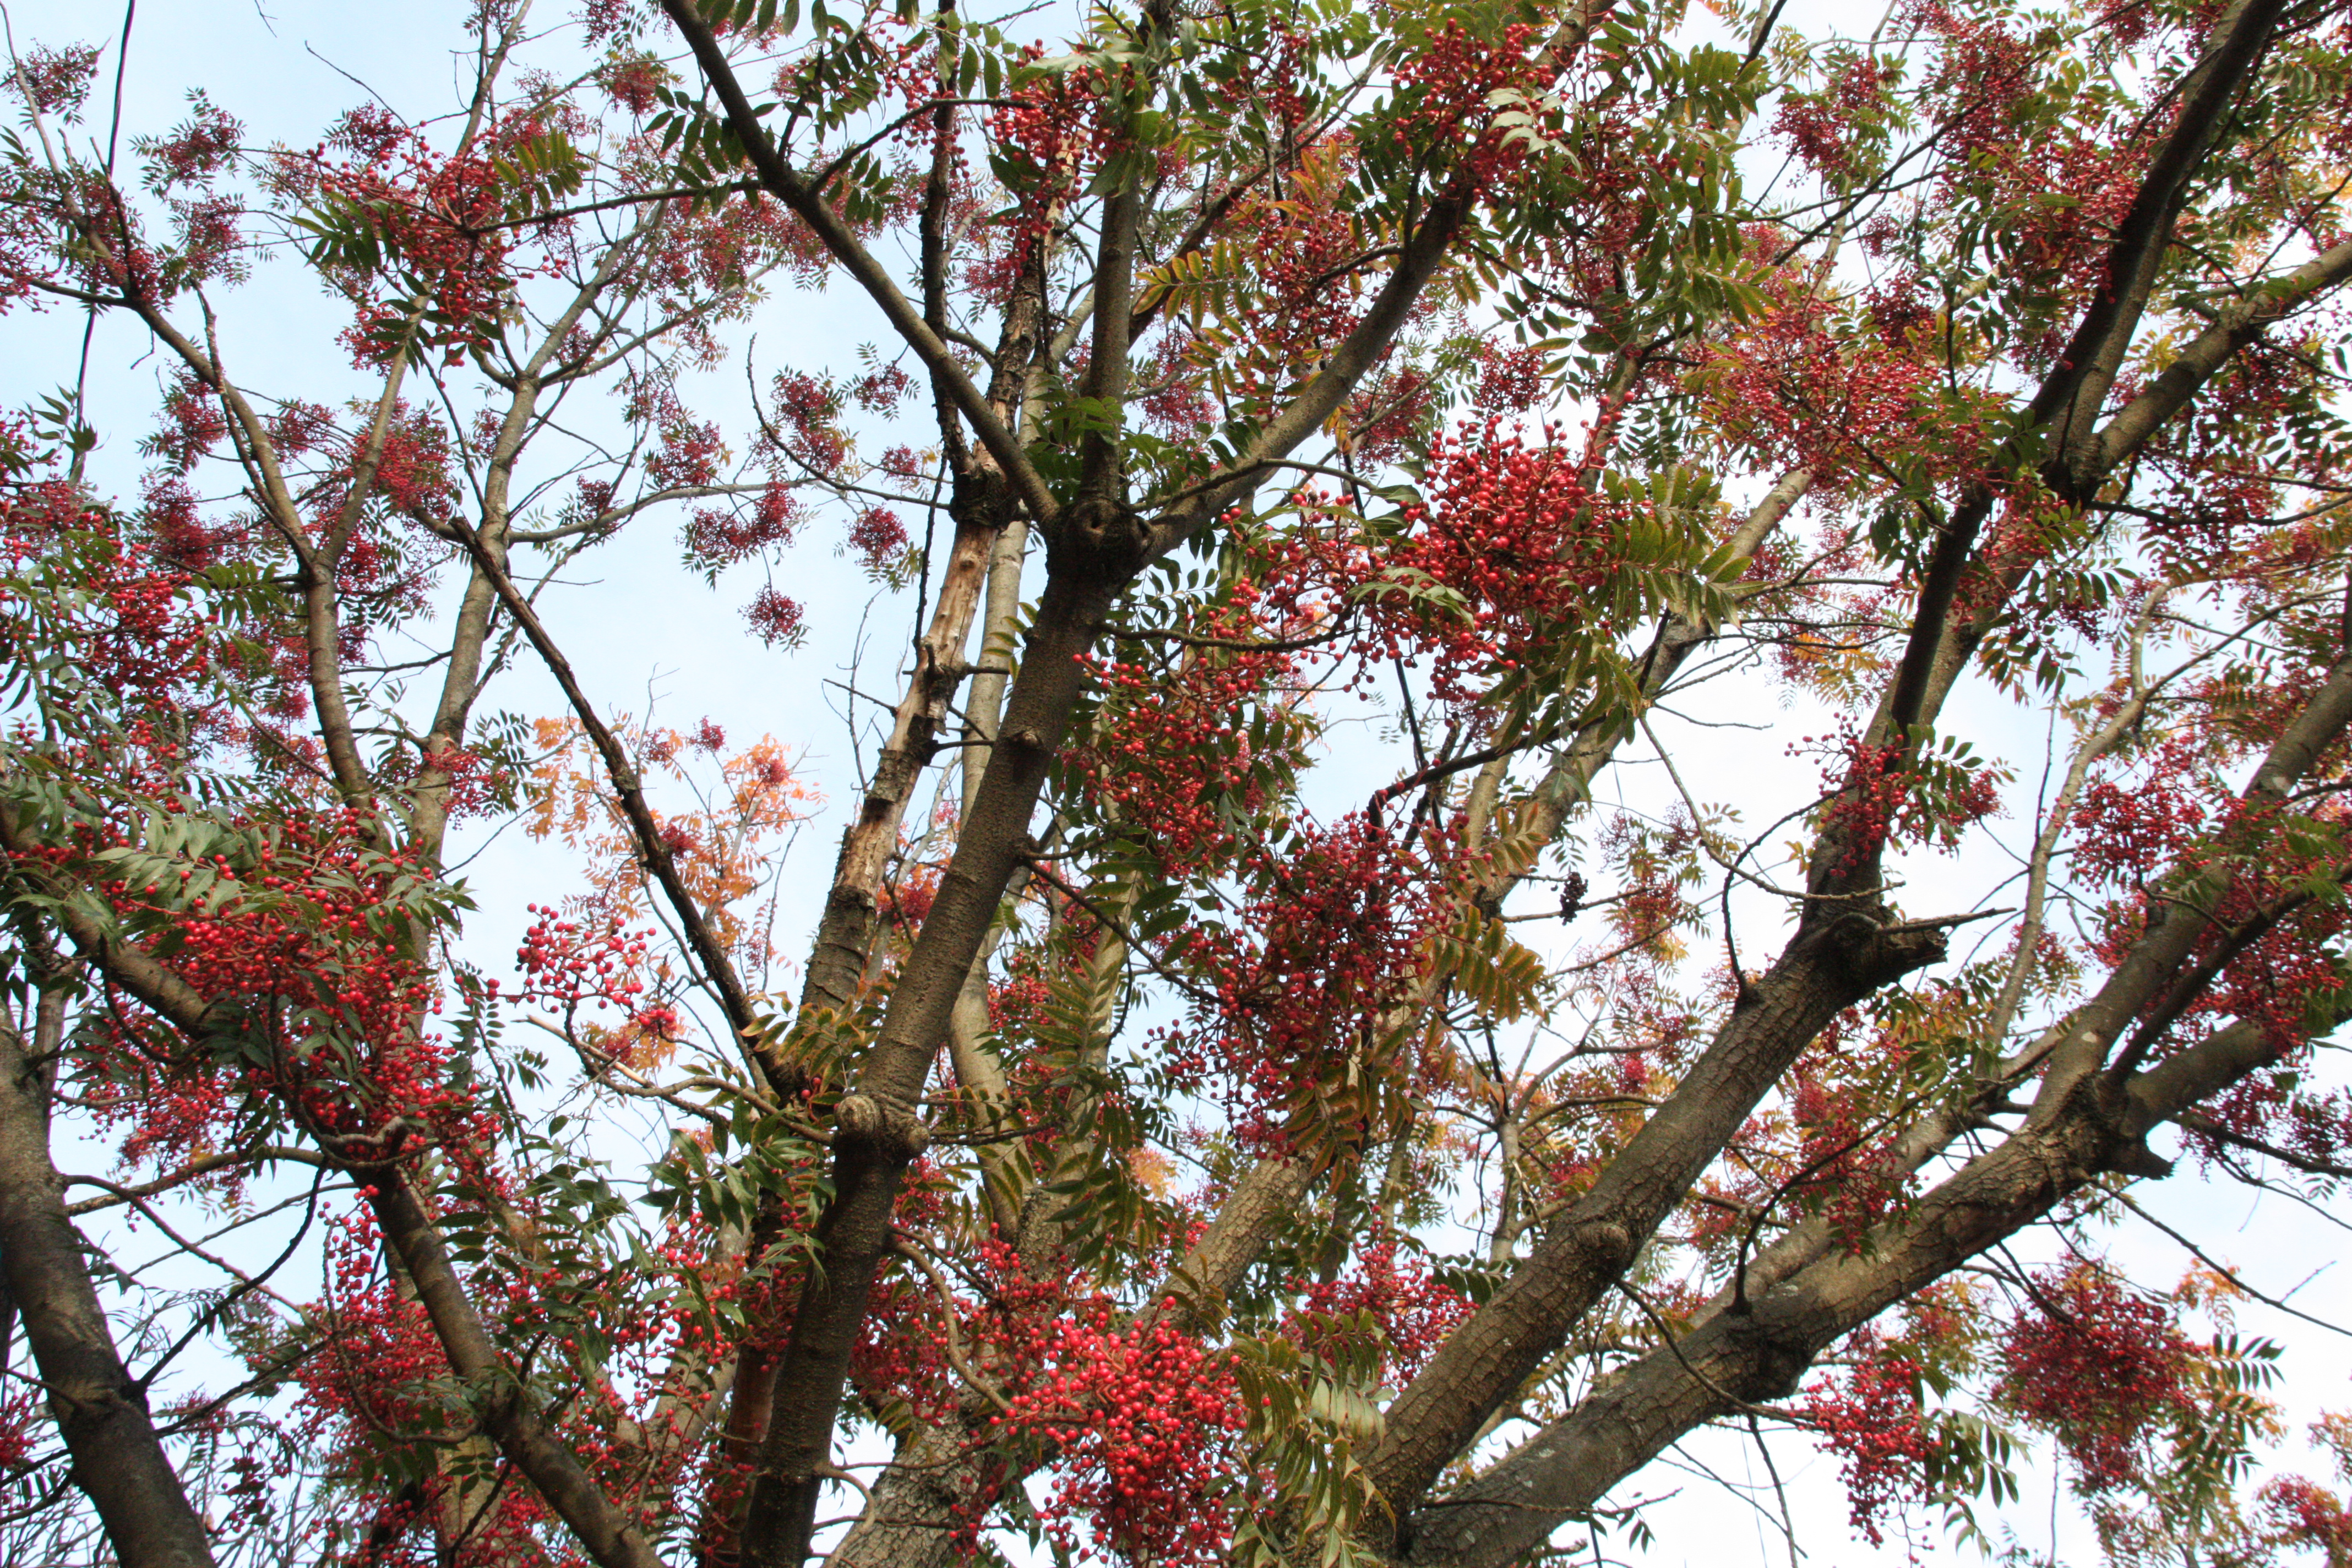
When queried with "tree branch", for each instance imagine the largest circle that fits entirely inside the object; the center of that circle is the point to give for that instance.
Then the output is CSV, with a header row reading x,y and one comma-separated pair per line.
x,y
780,179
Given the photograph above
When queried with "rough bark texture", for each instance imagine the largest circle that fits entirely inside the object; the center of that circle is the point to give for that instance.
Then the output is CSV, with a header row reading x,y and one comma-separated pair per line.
x,y
1844,946
1759,1355
878,1131
845,933
118,1461
409,1232
1582,1254
2084,1123
502,1403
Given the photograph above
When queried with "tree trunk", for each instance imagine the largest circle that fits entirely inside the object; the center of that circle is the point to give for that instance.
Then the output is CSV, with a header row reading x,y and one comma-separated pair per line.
x,y
118,1461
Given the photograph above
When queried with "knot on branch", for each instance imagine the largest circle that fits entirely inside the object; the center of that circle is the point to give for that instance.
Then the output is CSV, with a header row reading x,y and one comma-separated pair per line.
x,y
981,496
2102,1103
1772,1363
1100,540
890,1129
2133,1157
1871,953
1607,1245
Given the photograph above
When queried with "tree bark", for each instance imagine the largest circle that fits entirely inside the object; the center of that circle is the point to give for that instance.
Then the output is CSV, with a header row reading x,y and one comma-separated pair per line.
x,y
1755,1345
878,1131
500,1400
1586,1249
1840,950
1732,1358
117,1459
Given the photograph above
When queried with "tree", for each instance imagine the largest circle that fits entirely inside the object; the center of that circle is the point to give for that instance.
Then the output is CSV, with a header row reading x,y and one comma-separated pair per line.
x,y
1180,1147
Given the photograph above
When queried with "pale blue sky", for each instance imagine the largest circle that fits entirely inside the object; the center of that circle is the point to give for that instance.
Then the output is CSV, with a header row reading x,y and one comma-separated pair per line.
x,y
641,629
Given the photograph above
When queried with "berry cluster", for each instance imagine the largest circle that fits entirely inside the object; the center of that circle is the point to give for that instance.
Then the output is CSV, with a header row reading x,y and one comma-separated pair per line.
x,y
442,218
1825,128
567,965
721,536
2098,1365
1328,941
1869,1416
1451,90
1145,1424
1413,1312
1181,757
1799,388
